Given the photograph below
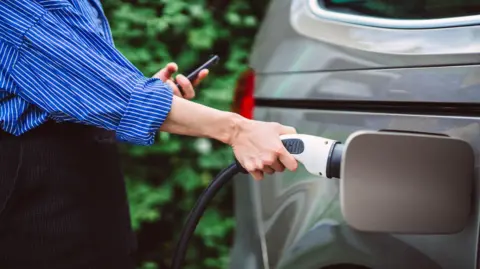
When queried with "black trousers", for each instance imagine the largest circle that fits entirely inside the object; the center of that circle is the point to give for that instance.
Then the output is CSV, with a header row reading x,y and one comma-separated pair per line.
x,y
63,201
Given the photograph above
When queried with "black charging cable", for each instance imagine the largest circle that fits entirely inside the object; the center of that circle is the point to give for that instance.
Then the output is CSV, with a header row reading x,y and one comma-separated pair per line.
x,y
197,211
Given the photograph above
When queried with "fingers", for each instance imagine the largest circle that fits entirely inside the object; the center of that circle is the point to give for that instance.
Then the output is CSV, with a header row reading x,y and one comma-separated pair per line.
x,y
268,170
187,87
284,156
278,166
268,165
166,73
201,76
288,160
251,167
257,175
174,87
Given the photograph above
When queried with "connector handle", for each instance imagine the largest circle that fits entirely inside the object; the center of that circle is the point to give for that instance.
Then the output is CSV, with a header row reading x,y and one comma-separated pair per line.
x,y
312,151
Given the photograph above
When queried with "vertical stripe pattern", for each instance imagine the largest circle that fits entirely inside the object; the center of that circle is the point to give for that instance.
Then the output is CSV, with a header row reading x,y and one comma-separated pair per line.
x,y
58,61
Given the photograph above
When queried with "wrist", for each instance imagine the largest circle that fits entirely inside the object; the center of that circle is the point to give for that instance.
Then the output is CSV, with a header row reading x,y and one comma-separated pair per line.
x,y
233,125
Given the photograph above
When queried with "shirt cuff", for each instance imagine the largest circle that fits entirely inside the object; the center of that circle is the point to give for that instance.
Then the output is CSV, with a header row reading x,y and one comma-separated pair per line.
x,y
146,111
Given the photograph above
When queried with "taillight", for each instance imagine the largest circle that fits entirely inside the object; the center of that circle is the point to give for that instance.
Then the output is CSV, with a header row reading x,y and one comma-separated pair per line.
x,y
243,99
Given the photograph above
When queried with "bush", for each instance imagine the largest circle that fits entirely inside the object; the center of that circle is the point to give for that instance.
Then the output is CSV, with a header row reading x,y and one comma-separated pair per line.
x,y
164,180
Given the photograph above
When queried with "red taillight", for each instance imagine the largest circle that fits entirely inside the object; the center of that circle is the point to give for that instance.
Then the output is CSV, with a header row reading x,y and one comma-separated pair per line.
x,y
243,100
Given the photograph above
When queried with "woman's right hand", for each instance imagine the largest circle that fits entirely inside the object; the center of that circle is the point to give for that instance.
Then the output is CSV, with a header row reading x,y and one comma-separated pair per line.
x,y
258,148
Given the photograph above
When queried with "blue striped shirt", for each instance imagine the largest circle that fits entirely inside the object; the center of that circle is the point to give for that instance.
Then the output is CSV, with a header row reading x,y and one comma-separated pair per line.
x,y
58,62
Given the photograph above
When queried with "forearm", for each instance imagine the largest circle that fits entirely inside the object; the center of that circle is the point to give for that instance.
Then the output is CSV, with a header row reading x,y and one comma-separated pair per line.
x,y
192,119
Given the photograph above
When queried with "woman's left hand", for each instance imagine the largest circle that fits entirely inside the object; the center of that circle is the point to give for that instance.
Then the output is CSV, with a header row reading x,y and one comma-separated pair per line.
x,y
166,74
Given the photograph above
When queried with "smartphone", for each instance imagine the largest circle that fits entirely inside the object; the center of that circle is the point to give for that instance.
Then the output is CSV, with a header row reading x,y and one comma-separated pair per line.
x,y
214,59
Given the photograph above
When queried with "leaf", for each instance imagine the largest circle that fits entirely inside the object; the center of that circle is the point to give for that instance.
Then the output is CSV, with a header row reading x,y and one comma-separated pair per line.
x,y
172,146
157,25
203,146
197,11
202,38
174,7
217,159
144,200
233,18
187,59
250,21
187,178
149,265
212,227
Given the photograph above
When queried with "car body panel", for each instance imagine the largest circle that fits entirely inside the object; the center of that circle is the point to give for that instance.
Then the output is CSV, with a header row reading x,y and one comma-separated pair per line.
x,y
293,220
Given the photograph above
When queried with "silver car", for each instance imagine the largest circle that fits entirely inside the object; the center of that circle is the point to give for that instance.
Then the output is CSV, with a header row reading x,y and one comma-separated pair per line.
x,y
333,67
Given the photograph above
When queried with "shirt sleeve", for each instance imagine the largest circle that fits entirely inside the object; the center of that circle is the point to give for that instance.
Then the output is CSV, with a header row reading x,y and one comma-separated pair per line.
x,y
62,65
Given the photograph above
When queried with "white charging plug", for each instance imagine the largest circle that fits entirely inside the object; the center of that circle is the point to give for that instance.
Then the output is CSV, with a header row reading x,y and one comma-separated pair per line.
x,y
313,152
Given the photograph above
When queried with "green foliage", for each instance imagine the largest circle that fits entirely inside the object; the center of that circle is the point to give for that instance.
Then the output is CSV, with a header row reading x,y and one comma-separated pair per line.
x,y
165,180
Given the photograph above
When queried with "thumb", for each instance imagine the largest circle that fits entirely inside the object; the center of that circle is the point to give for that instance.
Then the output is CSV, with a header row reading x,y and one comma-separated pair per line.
x,y
287,130
166,73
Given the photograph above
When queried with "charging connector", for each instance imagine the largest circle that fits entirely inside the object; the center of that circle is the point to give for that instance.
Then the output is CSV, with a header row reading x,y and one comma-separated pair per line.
x,y
320,156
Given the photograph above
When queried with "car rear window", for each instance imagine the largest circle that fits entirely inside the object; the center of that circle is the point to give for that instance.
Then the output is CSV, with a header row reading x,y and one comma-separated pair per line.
x,y
404,9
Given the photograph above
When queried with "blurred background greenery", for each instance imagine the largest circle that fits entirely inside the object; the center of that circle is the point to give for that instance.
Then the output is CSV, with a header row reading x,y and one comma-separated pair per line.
x,y
165,180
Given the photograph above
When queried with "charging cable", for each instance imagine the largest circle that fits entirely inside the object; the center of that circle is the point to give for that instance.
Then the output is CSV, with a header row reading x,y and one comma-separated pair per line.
x,y
320,157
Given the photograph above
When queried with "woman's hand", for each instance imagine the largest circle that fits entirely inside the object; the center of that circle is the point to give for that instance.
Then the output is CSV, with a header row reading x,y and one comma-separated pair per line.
x,y
166,73
259,149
